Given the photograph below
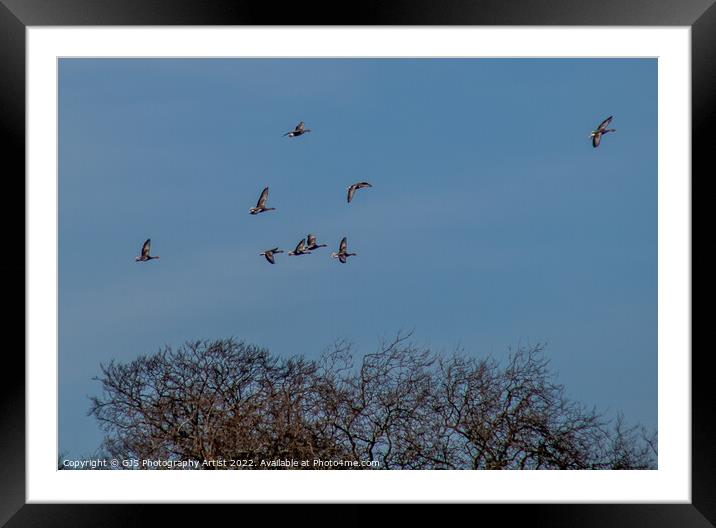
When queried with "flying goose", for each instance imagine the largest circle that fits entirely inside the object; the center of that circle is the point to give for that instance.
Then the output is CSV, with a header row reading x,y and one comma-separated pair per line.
x,y
600,131
311,243
353,188
269,253
145,252
343,254
298,131
300,249
261,204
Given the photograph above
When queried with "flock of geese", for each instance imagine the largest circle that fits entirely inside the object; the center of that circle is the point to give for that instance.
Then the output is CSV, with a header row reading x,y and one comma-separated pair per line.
x,y
308,244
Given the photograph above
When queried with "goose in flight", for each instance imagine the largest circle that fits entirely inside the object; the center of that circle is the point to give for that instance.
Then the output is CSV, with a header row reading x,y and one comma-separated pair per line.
x,y
298,131
300,249
261,204
343,254
311,243
600,131
144,256
269,253
353,188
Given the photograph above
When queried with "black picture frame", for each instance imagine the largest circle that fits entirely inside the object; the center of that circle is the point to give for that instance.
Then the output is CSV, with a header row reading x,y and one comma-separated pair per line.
x,y
16,15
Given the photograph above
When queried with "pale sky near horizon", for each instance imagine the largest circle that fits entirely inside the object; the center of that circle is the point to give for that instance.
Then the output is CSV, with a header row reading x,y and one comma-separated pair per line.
x,y
492,221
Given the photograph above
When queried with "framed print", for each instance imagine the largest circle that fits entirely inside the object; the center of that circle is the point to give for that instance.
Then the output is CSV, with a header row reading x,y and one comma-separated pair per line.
x,y
426,242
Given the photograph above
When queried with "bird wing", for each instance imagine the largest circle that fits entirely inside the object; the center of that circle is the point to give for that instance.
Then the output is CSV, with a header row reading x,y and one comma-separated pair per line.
x,y
351,192
343,245
361,185
301,245
342,258
596,139
311,240
262,198
145,247
604,124
300,126
269,257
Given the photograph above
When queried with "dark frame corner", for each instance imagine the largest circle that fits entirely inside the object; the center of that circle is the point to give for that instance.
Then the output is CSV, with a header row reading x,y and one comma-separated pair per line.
x,y
16,15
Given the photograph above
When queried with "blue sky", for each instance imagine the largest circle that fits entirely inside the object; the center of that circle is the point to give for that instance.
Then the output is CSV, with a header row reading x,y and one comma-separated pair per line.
x,y
492,222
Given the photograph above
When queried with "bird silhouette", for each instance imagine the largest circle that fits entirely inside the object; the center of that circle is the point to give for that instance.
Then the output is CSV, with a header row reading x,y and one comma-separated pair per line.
x,y
353,188
602,129
269,254
298,131
144,253
261,204
342,254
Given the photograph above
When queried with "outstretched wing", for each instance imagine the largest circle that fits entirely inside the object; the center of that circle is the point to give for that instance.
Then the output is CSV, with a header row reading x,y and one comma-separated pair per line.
x,y
343,247
300,127
301,245
596,139
311,240
262,198
145,247
352,189
604,124
342,258
269,257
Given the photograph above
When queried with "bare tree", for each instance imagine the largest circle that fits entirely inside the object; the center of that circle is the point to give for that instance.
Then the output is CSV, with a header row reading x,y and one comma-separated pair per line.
x,y
402,407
